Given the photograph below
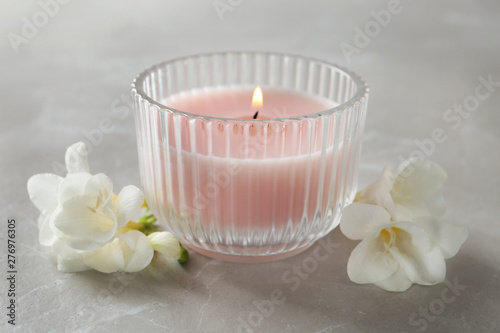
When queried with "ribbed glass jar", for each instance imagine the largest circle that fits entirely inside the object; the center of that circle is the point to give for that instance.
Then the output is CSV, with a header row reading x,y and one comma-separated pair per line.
x,y
249,190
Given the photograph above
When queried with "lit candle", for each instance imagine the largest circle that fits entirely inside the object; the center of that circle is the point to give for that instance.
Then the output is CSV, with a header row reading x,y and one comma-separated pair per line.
x,y
246,174
252,175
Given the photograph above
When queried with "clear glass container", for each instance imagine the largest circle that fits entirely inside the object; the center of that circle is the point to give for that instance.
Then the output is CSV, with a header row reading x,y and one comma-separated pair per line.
x,y
248,190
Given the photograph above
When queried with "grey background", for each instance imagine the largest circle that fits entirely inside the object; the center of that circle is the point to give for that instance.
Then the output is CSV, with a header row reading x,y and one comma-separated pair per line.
x,y
73,72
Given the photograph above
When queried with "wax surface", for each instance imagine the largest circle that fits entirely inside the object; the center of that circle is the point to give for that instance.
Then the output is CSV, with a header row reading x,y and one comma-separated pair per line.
x,y
245,139
236,102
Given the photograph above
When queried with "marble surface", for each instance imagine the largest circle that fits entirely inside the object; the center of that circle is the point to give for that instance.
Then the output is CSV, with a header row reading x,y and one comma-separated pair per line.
x,y
75,69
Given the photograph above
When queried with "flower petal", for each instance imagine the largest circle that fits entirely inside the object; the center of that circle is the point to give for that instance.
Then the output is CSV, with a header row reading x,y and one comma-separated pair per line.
x,y
88,229
137,250
418,175
422,261
378,193
73,185
42,190
417,186
99,186
76,158
398,281
128,204
369,262
68,260
165,243
359,219
46,235
448,236
107,259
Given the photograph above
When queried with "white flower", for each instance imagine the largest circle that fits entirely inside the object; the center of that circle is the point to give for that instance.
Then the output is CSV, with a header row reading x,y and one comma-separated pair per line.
x,y
404,238
129,252
80,217
409,191
89,217
394,255
165,243
42,189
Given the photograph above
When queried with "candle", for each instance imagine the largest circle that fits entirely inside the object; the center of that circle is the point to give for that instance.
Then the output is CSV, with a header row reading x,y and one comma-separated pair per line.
x,y
249,176
243,180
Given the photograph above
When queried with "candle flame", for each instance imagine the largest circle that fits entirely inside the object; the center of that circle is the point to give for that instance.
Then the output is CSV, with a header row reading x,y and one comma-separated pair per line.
x,y
257,99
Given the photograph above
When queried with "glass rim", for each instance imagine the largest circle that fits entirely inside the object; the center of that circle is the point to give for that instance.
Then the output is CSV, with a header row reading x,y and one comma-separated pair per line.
x,y
361,92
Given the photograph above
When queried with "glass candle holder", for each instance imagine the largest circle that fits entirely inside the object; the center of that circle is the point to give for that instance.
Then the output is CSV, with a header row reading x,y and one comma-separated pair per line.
x,y
240,189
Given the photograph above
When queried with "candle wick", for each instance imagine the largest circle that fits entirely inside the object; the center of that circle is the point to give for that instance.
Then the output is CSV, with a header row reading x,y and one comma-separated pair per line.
x,y
255,115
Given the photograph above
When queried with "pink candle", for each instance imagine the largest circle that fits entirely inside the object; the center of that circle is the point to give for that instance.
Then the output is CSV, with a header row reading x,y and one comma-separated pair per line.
x,y
246,178
243,189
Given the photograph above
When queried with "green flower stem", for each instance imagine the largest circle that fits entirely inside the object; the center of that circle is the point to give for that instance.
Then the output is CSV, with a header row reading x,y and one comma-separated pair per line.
x,y
146,223
184,255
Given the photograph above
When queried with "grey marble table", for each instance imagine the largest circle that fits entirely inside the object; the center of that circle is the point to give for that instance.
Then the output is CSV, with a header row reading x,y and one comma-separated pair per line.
x,y
67,65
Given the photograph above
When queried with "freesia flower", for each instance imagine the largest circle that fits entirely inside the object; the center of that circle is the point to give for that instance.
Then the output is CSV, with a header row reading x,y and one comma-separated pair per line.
x,y
81,208
166,244
129,252
410,190
394,255
404,240
86,224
